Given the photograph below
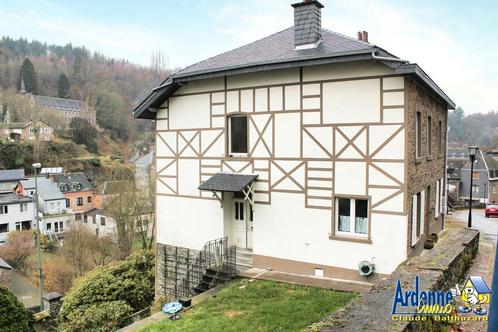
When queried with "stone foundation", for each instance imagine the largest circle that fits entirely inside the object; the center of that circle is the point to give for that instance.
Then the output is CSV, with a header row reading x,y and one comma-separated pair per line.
x,y
438,269
171,266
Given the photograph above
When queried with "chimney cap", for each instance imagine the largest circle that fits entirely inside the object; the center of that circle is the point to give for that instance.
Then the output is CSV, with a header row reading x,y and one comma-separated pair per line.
x,y
307,2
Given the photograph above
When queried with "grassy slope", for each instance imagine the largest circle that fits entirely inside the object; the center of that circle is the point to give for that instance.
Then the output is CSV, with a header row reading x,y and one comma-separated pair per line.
x,y
260,306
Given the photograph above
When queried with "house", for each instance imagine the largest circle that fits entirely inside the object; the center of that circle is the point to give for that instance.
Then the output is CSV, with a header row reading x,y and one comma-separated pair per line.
x,y
308,150
144,172
108,189
67,108
78,192
98,221
16,213
27,131
9,179
55,216
484,179
456,159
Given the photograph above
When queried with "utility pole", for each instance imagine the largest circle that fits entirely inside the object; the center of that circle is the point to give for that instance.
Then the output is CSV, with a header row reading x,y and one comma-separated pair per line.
x,y
38,236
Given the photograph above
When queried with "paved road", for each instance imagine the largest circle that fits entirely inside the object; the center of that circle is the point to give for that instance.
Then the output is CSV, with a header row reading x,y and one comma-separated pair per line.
x,y
487,226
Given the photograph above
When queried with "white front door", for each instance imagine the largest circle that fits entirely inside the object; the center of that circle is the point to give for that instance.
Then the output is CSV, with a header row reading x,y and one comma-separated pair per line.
x,y
242,222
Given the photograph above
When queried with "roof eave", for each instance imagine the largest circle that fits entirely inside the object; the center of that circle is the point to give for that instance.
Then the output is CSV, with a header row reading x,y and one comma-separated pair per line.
x,y
415,70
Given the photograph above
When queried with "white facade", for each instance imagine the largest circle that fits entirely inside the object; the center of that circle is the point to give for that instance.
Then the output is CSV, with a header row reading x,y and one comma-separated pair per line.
x,y
15,216
330,132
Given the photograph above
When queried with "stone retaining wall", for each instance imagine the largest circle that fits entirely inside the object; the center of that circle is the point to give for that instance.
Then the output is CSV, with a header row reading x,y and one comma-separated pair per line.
x,y
171,266
438,269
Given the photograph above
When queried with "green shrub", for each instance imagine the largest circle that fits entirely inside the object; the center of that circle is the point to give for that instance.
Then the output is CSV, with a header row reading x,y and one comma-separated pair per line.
x,y
13,316
130,281
104,316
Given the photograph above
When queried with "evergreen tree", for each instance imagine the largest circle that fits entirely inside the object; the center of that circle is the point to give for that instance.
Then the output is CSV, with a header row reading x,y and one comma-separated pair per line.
x,y
64,86
28,74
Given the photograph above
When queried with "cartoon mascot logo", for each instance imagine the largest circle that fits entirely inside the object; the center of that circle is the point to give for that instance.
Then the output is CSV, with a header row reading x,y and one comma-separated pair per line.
x,y
475,294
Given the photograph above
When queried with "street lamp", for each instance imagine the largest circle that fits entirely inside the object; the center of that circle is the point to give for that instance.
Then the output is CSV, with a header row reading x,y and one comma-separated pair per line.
x,y
472,156
38,237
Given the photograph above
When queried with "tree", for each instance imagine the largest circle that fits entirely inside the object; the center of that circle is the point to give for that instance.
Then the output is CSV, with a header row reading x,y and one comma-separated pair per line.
x,y
129,282
110,107
63,86
85,250
82,132
13,315
132,212
18,247
28,74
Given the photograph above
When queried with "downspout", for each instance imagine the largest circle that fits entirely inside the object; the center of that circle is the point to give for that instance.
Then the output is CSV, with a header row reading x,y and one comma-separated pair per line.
x,y
383,58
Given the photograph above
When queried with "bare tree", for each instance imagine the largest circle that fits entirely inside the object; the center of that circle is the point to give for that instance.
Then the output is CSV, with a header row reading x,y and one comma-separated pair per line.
x,y
132,212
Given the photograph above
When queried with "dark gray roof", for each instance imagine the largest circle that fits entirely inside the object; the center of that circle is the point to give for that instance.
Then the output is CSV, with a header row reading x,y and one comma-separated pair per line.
x,y
278,47
4,265
278,51
146,159
48,189
58,103
11,174
8,199
73,182
227,182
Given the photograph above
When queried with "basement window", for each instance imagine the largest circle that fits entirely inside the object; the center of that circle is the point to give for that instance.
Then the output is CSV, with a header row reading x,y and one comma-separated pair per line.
x,y
237,133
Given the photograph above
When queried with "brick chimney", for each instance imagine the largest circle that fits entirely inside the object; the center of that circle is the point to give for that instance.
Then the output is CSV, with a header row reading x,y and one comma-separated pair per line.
x,y
363,36
307,22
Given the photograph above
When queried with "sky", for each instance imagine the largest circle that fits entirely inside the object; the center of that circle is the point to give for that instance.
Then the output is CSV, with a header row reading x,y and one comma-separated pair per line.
x,y
454,41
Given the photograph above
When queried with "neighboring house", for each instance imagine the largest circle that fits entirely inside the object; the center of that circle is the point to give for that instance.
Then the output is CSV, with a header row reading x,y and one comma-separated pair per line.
x,y
78,192
55,216
144,172
457,158
67,108
16,213
109,189
27,131
310,150
9,179
100,222
484,179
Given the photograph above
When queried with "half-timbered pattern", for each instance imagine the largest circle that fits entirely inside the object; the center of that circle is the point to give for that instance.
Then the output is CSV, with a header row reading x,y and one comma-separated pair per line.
x,y
330,145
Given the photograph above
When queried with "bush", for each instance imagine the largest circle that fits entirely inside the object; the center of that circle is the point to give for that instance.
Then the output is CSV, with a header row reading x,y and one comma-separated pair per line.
x,y
104,316
130,281
19,246
13,315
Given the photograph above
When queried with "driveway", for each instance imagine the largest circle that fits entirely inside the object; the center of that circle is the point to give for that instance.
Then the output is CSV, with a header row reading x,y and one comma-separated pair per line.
x,y
487,226
22,287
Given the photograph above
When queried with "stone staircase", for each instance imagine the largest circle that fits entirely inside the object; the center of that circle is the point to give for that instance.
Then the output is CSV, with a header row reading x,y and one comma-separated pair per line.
x,y
243,259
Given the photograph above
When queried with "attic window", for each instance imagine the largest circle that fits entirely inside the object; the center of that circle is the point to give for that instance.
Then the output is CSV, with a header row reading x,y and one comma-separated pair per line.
x,y
237,132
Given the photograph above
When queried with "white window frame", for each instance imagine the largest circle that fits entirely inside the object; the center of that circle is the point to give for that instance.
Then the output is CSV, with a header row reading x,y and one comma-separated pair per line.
x,y
4,209
477,190
229,131
8,228
23,207
352,215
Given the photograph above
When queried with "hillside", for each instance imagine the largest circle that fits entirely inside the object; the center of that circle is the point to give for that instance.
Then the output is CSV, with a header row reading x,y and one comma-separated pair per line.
x,y
109,85
479,129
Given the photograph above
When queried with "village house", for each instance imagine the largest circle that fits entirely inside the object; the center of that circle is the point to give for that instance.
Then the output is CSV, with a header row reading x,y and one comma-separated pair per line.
x,y
9,179
55,216
78,192
30,131
484,179
312,152
16,213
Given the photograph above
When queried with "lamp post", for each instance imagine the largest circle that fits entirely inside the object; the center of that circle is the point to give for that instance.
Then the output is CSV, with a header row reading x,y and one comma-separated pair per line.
x,y
472,156
38,234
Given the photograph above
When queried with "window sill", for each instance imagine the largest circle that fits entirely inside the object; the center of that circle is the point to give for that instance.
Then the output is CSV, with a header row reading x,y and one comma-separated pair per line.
x,y
429,157
350,239
418,160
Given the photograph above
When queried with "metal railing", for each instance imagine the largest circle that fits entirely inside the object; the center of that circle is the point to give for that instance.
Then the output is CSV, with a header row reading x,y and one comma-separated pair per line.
x,y
215,255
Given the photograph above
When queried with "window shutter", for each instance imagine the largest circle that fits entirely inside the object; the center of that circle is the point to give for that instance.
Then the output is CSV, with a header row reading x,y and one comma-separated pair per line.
x,y
422,212
414,220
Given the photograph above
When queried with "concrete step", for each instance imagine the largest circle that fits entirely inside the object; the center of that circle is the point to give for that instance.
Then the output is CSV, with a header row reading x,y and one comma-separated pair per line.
x,y
246,260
